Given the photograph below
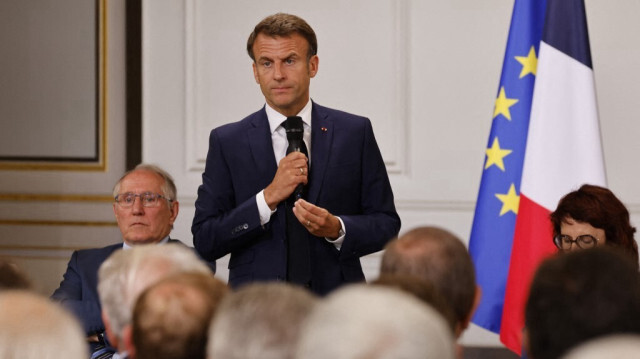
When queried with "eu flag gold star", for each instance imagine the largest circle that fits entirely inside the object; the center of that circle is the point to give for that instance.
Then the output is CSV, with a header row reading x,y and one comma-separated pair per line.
x,y
496,155
529,63
510,201
502,105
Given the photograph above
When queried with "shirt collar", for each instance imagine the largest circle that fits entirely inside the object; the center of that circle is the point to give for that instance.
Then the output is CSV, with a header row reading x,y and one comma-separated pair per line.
x,y
163,241
276,118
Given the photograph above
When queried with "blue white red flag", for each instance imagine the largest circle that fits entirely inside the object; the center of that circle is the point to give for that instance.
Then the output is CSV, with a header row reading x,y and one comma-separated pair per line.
x,y
544,143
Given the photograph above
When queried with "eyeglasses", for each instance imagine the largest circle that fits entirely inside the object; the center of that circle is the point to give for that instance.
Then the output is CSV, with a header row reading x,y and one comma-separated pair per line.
x,y
584,241
148,199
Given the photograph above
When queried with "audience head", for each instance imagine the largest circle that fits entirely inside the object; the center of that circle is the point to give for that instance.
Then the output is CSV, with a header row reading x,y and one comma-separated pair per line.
x,y
578,296
440,258
422,290
592,216
283,25
12,277
363,321
32,327
171,318
614,346
126,273
145,204
259,321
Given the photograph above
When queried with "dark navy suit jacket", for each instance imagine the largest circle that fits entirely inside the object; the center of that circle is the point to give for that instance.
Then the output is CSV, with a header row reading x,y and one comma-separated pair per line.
x,y
347,177
78,290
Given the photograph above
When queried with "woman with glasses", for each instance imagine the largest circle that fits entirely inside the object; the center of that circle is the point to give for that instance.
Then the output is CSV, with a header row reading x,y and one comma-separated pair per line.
x,y
593,216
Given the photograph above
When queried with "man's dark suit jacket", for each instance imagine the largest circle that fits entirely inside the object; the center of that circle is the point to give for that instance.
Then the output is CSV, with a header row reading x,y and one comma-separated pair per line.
x,y
347,177
78,290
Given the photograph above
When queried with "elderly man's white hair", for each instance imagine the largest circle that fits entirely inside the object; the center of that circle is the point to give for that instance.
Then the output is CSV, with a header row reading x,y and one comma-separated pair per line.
x,y
33,327
126,273
367,322
260,321
614,346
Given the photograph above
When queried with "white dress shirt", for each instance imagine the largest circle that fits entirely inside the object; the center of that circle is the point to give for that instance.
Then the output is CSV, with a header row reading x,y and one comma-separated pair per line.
x,y
280,143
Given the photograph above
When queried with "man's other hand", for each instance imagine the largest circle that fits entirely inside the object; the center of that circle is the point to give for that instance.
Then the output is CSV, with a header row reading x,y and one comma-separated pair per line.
x,y
318,221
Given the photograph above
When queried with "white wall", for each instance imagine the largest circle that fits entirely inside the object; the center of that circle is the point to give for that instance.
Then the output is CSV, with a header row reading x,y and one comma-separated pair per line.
x,y
425,72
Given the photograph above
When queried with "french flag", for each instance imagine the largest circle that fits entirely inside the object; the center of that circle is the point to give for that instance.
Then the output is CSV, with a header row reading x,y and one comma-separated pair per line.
x,y
544,142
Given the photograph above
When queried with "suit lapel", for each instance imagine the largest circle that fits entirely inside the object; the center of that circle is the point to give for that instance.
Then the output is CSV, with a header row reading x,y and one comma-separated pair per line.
x,y
259,137
321,139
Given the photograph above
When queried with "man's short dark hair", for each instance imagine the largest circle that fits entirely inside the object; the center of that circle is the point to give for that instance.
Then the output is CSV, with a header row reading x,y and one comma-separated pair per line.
x,y
281,24
581,295
12,277
439,257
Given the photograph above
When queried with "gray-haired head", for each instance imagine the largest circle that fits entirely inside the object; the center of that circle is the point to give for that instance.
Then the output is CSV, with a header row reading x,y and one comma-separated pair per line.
x,y
33,327
374,322
168,187
614,346
260,321
126,273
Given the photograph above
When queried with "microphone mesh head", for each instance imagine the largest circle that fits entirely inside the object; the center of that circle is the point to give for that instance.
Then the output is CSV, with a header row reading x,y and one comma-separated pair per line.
x,y
294,128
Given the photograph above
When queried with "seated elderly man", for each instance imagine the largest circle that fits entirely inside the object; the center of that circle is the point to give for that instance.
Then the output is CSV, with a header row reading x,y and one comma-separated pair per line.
x,y
145,208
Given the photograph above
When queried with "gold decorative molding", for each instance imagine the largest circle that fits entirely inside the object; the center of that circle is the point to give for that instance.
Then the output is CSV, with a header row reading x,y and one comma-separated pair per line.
x,y
40,248
48,197
38,222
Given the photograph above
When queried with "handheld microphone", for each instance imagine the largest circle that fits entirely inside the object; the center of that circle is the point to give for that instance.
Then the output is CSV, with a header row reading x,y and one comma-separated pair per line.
x,y
295,130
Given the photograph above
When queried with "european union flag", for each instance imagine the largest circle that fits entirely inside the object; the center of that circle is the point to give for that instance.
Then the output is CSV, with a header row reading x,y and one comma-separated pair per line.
x,y
497,206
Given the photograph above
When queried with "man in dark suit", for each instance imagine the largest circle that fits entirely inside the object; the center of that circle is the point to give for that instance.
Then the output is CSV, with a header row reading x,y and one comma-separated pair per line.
x,y
248,182
145,208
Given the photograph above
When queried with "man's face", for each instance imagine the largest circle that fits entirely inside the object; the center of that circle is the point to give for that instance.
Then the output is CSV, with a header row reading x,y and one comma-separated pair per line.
x,y
283,72
139,224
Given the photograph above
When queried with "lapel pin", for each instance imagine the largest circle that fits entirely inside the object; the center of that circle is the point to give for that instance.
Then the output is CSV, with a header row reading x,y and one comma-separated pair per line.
x,y
323,129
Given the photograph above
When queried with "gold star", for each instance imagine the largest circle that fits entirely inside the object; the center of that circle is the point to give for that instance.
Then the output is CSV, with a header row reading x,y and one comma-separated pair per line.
x,y
496,155
529,63
510,201
502,105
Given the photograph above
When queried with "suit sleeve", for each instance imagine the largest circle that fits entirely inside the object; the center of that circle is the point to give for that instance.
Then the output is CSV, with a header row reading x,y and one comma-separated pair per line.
x,y
222,223
72,296
378,222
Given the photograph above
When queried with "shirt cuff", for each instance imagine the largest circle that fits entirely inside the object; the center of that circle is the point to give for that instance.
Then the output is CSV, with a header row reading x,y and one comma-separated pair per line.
x,y
263,208
338,241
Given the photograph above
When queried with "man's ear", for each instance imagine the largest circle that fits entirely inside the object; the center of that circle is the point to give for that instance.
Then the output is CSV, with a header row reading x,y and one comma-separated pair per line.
x,y
476,301
255,73
127,338
113,340
174,208
314,63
